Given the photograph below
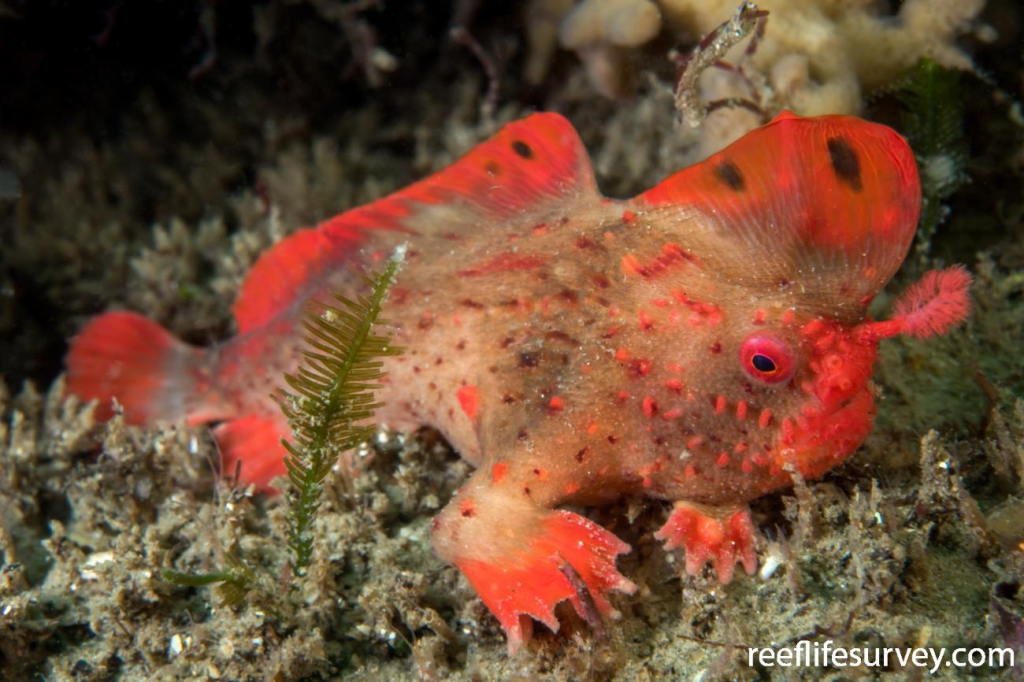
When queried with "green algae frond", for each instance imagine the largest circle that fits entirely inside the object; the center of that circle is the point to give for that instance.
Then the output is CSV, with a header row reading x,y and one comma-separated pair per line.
x,y
334,397
233,583
933,121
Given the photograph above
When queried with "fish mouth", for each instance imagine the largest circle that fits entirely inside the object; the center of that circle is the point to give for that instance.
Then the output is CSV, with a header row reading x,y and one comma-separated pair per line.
x,y
823,441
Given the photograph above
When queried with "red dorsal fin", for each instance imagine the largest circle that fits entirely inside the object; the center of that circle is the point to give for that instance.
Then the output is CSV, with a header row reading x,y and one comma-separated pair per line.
x,y
524,166
281,274
829,204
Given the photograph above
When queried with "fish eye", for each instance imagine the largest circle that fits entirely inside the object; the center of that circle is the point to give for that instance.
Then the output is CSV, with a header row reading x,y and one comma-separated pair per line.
x,y
766,358
763,364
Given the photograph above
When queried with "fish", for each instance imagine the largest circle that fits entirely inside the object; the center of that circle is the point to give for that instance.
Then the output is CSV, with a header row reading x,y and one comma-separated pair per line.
x,y
699,344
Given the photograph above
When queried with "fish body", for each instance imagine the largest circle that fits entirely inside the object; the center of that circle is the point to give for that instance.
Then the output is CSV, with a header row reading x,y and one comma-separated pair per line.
x,y
696,344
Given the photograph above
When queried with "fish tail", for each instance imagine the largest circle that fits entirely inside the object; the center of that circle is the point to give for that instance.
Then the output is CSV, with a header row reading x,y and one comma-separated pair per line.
x,y
156,377
153,375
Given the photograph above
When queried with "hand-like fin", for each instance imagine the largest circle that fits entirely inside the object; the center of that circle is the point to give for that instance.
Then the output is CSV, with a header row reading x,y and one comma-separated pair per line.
x,y
256,443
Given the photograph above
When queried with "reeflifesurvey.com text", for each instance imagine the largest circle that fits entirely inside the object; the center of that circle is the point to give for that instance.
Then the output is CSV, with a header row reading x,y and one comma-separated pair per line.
x,y
827,655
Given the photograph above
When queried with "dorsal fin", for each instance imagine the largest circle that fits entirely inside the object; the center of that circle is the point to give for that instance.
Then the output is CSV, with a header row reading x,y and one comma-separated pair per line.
x,y
527,164
283,272
829,203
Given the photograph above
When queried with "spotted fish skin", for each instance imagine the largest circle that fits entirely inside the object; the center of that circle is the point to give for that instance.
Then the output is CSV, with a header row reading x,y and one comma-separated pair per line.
x,y
696,344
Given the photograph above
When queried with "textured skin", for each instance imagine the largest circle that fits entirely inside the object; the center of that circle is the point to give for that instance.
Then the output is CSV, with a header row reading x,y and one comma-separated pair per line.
x,y
578,349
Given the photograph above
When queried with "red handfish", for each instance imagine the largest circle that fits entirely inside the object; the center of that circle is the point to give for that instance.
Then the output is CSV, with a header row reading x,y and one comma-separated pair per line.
x,y
693,344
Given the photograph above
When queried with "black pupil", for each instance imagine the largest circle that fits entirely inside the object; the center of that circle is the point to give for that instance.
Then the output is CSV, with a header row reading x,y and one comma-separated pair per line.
x,y
763,363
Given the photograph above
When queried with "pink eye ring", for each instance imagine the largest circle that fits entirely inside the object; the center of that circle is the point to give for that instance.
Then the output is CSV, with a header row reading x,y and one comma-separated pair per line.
x,y
767,359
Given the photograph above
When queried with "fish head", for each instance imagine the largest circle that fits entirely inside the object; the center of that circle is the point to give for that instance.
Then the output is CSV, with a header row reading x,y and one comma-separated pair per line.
x,y
793,230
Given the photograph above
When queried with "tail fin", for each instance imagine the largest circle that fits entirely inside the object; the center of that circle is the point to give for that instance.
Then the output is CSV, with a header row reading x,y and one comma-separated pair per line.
x,y
154,376
129,357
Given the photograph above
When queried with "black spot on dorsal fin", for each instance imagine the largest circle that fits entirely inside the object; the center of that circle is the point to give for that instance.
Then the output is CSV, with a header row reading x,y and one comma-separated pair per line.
x,y
845,163
522,149
729,173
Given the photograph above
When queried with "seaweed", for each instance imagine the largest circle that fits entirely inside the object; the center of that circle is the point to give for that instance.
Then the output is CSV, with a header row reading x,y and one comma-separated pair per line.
x,y
328,413
933,122
233,583
333,399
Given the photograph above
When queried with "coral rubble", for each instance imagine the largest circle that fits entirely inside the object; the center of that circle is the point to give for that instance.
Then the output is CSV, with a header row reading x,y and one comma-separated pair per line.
x,y
814,57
